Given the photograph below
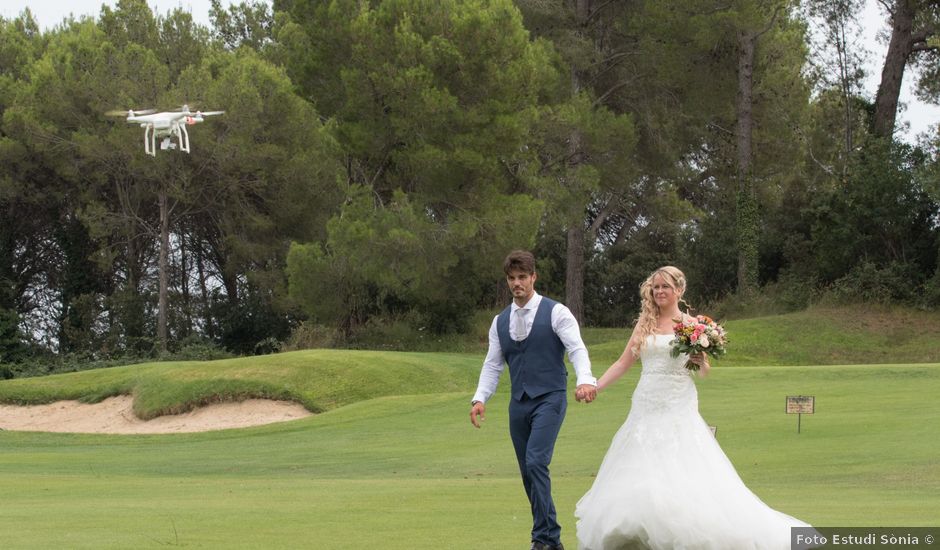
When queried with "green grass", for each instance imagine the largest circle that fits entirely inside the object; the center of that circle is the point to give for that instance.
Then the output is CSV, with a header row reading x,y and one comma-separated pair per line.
x,y
817,336
409,471
392,461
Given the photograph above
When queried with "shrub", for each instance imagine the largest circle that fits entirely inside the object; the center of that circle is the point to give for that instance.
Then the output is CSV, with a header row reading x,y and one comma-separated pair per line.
x,y
413,332
12,346
267,346
931,294
867,282
311,335
193,348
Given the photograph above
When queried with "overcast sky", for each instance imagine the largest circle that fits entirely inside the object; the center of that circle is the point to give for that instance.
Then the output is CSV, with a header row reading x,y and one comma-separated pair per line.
x,y
919,116
51,12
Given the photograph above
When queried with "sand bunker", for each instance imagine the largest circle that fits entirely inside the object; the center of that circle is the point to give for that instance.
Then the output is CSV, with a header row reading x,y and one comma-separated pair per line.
x,y
115,416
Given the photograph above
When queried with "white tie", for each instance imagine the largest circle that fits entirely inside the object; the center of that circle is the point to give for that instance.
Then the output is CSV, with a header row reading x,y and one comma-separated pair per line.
x,y
519,325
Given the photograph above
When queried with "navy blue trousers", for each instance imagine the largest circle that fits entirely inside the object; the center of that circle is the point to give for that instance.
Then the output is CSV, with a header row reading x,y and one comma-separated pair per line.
x,y
533,426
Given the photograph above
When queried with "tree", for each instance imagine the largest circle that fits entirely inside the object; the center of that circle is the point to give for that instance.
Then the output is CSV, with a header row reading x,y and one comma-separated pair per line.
x,y
56,114
433,110
27,204
915,26
585,148
751,23
881,223
765,50
269,175
12,346
182,43
249,24
839,61
714,103
124,230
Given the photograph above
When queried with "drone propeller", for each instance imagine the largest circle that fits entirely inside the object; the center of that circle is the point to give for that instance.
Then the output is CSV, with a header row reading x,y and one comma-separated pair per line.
x,y
209,113
130,112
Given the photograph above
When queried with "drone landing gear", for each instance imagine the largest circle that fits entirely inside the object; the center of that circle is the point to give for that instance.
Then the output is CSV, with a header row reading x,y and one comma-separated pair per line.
x,y
176,130
150,140
183,137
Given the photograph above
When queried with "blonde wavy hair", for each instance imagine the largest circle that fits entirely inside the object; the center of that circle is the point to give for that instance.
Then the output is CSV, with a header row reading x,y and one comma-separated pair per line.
x,y
649,311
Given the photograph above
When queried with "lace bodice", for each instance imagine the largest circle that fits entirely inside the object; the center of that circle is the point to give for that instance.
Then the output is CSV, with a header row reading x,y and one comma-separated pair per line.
x,y
657,359
665,384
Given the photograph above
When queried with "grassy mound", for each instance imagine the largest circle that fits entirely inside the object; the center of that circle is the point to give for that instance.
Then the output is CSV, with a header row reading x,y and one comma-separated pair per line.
x,y
320,380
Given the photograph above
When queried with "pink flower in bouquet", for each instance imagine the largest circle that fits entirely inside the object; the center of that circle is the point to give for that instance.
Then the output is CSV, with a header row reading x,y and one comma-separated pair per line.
x,y
698,335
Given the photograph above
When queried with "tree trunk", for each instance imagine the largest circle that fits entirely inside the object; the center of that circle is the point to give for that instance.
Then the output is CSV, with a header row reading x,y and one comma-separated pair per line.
x,y
185,295
892,73
503,294
162,268
845,80
133,316
574,279
747,227
574,265
230,282
204,291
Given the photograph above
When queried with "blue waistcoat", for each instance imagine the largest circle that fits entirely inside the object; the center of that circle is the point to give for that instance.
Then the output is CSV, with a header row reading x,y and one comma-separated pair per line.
x,y
536,364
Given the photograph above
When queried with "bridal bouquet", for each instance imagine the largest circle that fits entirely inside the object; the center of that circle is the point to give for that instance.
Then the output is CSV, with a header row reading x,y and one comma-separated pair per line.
x,y
698,335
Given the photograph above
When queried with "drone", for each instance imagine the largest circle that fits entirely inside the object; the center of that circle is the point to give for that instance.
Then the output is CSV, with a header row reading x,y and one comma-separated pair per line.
x,y
165,124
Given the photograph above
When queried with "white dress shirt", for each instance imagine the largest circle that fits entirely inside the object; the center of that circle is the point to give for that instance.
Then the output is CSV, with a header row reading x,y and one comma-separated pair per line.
x,y
565,326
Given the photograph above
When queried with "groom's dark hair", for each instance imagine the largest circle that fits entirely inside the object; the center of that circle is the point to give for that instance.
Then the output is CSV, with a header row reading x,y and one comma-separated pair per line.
x,y
519,260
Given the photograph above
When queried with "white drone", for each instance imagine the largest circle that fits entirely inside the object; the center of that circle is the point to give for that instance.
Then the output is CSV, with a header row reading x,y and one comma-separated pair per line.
x,y
166,125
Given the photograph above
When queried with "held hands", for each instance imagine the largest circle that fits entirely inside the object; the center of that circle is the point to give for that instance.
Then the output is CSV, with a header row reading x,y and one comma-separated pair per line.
x,y
586,393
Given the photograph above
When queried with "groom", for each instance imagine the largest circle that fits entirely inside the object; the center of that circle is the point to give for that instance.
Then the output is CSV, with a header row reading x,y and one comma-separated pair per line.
x,y
532,336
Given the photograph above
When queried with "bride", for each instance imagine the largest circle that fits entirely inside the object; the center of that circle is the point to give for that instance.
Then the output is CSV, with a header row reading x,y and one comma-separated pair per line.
x,y
665,483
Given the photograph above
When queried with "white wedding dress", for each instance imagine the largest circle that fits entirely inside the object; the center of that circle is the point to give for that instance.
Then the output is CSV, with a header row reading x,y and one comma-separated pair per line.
x,y
665,483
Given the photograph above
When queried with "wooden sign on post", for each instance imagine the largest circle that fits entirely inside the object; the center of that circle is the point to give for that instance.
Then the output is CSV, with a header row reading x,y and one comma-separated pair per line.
x,y
800,405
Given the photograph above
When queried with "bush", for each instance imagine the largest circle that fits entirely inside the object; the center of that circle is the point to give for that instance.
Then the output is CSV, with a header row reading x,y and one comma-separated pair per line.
x,y
792,293
245,324
412,332
47,363
6,372
931,295
388,335
867,282
739,306
193,348
880,219
267,346
310,335
787,294
12,346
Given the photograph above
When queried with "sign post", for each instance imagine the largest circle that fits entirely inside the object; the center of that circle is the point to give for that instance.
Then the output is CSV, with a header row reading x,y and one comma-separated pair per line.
x,y
800,405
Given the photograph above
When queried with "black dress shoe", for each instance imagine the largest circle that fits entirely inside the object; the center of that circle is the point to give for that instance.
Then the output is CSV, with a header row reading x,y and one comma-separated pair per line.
x,y
536,545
